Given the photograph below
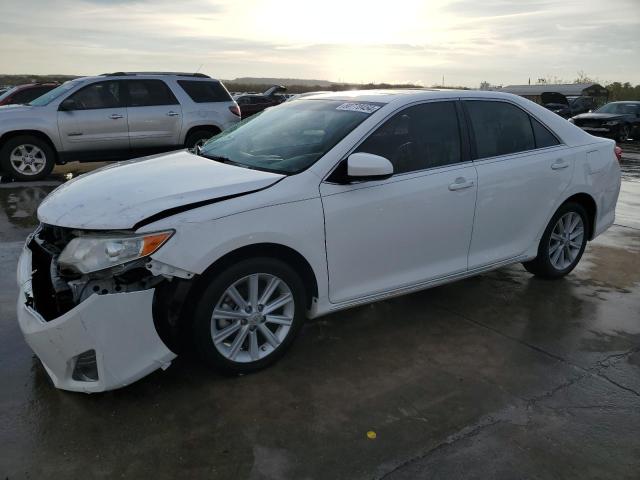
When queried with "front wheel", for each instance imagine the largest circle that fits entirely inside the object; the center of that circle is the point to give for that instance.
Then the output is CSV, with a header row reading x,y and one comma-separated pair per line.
x,y
248,315
562,243
26,157
624,133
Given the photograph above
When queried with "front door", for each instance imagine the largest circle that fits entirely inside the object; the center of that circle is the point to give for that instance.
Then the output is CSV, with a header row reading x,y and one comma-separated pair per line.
x,y
413,227
94,119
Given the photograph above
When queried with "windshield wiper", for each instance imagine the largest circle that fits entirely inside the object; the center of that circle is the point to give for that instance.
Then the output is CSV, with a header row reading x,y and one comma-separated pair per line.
x,y
217,158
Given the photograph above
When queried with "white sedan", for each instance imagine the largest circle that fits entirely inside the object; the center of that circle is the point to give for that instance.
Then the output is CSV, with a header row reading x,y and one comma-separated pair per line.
x,y
314,206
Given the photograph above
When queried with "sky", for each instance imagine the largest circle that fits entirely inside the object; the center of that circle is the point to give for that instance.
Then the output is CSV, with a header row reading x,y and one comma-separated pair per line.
x,y
417,41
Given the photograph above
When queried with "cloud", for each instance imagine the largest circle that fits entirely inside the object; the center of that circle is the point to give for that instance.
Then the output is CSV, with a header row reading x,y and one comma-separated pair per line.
x,y
502,41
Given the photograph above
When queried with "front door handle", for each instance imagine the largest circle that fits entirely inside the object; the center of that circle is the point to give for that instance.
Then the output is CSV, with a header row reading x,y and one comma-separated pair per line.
x,y
559,164
460,184
115,116
172,114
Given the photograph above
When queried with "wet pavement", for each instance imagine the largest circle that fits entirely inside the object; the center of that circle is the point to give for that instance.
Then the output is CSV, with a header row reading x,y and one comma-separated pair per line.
x,y
498,376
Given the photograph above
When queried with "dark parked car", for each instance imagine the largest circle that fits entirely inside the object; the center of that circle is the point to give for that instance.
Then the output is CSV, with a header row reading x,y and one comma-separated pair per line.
x,y
252,103
617,120
25,93
558,103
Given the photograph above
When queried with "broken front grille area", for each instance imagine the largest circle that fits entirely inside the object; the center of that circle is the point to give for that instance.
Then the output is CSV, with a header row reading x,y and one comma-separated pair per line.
x,y
56,290
52,296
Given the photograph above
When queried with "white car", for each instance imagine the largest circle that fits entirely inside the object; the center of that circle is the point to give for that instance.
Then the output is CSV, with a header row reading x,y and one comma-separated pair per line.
x,y
311,207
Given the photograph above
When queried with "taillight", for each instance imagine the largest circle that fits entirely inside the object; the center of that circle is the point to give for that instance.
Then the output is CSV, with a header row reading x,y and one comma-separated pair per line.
x,y
235,109
618,151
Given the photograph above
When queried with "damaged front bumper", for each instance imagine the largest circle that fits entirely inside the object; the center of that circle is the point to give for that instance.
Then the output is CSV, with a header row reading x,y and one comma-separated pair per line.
x,y
103,343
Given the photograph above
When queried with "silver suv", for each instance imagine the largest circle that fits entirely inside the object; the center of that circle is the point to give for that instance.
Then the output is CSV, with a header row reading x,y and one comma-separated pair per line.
x,y
111,117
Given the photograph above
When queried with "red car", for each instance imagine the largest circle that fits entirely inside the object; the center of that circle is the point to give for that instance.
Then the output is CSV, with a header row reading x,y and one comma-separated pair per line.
x,y
25,93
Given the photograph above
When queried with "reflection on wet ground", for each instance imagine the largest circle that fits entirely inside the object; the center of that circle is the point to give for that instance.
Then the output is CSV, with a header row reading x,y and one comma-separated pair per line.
x,y
498,376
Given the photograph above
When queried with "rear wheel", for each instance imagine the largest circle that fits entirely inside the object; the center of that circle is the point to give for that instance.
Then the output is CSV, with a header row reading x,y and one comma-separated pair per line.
x,y
26,157
249,315
562,243
196,140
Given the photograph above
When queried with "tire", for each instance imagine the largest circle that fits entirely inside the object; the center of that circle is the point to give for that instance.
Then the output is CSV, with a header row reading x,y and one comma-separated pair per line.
x,y
27,158
550,263
235,352
624,133
198,138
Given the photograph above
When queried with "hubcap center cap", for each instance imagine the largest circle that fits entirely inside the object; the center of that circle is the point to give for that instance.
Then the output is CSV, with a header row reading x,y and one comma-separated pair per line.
x,y
256,319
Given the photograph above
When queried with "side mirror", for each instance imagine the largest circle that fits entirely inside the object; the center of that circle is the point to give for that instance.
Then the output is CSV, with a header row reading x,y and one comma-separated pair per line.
x,y
367,166
68,105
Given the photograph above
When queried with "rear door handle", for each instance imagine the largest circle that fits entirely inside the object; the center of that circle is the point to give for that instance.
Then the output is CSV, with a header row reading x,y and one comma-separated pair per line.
x,y
460,184
559,164
173,114
115,116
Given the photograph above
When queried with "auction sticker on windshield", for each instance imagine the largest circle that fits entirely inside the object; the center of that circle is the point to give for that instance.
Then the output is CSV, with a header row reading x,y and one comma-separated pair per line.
x,y
358,107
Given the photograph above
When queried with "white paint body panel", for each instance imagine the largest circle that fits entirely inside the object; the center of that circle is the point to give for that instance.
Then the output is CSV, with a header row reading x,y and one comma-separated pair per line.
x,y
363,241
398,232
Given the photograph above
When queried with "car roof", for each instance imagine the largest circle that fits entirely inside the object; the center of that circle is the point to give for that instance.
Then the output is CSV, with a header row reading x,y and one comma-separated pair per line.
x,y
145,75
407,95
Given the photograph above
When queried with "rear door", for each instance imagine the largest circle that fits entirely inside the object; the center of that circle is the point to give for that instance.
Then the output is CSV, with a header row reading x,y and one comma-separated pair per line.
x,y
523,170
94,118
154,114
416,226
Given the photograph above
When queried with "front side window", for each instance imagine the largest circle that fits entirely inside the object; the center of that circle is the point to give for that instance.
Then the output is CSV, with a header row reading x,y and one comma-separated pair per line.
x,y
419,137
149,93
499,128
97,95
290,137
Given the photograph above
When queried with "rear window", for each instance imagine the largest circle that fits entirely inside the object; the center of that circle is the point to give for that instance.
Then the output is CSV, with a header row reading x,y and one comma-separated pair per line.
x,y
205,91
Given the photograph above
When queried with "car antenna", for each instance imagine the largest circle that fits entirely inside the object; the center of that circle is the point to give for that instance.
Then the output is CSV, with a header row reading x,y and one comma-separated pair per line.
x,y
199,68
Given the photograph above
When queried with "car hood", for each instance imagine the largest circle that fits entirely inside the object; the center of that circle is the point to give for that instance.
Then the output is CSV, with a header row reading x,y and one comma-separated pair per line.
x,y
598,116
13,108
122,194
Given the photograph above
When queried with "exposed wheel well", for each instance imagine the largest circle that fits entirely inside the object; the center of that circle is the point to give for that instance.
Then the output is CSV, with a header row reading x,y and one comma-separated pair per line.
x,y
209,128
174,301
271,250
36,133
589,205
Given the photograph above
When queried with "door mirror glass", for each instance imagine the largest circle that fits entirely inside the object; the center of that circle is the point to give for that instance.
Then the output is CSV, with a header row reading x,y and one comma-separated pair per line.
x,y
367,166
68,105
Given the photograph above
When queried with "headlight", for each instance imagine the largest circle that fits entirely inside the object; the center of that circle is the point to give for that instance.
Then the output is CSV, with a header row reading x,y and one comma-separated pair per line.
x,y
612,123
88,254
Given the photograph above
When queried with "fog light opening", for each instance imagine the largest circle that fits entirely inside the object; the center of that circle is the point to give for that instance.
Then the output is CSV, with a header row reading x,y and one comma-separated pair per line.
x,y
86,367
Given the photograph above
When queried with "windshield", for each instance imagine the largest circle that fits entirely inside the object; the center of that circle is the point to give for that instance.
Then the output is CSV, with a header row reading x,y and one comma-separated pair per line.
x,y
290,137
7,92
51,95
620,108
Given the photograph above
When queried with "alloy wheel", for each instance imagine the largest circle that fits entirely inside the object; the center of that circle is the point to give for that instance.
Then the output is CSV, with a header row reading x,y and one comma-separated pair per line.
x,y
28,159
566,240
252,317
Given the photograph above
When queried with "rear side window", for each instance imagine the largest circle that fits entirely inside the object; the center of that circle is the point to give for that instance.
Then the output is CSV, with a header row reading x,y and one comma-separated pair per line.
x,y
499,128
419,137
544,138
149,93
205,91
